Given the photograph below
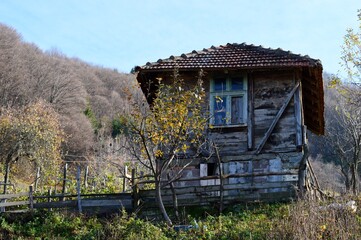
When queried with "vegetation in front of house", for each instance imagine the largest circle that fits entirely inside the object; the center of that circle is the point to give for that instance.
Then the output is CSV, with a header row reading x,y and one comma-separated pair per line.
x,y
302,220
173,129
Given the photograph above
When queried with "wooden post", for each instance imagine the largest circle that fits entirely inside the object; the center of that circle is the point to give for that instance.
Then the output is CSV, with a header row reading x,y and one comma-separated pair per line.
x,y
31,198
134,191
55,188
86,177
37,179
64,181
6,180
221,180
49,198
299,114
250,121
49,194
125,178
78,189
302,172
6,177
2,209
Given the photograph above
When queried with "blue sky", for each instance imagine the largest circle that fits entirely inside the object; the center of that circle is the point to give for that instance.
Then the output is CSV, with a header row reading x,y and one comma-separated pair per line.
x,y
121,34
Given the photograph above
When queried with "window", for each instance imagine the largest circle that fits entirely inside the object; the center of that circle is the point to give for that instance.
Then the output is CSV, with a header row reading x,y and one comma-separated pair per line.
x,y
228,101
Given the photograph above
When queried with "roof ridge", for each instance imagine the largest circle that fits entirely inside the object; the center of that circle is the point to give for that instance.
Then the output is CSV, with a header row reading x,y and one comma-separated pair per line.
x,y
276,50
238,46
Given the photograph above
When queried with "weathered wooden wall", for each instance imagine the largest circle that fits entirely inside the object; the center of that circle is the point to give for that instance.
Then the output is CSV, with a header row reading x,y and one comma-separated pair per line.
x,y
246,177
270,173
270,92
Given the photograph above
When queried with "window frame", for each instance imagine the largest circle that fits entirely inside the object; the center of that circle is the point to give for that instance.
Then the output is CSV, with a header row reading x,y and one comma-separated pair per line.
x,y
228,93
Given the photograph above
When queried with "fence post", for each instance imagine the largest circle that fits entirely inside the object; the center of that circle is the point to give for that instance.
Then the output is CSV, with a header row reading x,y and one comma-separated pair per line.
x,y
134,191
37,179
49,194
64,181
2,209
86,177
125,178
78,189
31,198
49,199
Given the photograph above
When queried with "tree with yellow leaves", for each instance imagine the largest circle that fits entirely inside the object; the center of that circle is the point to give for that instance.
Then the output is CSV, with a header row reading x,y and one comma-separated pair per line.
x,y
32,132
166,139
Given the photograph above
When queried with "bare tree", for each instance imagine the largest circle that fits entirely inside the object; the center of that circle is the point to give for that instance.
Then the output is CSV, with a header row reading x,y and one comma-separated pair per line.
x,y
28,74
342,141
11,72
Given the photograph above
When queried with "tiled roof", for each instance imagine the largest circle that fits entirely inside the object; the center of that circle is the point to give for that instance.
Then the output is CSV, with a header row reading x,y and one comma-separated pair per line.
x,y
234,56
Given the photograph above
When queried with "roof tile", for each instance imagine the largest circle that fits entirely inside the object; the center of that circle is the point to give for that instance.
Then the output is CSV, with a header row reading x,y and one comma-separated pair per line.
x,y
234,56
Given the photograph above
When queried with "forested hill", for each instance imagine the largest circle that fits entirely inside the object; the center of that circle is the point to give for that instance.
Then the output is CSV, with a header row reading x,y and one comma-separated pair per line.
x,y
87,97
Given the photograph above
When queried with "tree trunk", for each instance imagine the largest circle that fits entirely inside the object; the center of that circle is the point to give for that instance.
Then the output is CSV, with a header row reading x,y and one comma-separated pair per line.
x,y
347,178
347,184
174,196
160,201
354,179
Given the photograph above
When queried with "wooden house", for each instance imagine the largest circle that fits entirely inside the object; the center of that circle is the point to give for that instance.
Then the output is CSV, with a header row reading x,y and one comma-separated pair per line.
x,y
269,96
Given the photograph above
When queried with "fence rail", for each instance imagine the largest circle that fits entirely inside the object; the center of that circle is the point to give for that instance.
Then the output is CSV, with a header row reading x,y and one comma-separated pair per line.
x,y
106,201
193,191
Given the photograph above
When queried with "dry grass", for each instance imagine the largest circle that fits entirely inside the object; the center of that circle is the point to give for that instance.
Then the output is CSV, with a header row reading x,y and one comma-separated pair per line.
x,y
317,220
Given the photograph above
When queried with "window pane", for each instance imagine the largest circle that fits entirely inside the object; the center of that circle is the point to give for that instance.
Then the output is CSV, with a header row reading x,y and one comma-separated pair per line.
x,y
220,110
220,84
237,84
237,110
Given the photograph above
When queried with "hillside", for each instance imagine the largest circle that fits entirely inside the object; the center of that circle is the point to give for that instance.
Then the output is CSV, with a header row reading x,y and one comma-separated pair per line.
x,y
88,98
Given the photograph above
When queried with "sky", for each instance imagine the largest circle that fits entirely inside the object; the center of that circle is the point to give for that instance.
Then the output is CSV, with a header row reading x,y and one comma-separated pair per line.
x,y
122,34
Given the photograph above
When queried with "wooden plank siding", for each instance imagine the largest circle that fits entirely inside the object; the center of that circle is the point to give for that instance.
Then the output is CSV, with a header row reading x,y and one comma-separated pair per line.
x,y
267,91
271,90
248,173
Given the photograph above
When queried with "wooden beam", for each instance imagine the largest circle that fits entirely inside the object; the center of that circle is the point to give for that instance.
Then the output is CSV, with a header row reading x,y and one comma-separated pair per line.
x,y
250,121
225,176
78,190
298,111
18,203
8,196
277,118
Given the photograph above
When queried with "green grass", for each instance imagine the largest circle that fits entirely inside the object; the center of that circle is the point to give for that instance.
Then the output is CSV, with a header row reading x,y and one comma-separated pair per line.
x,y
299,220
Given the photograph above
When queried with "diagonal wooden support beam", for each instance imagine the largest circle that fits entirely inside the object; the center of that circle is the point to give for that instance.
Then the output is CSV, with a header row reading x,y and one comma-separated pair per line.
x,y
277,118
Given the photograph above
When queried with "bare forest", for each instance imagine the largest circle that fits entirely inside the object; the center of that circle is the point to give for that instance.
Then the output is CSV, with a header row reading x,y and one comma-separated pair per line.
x,y
85,100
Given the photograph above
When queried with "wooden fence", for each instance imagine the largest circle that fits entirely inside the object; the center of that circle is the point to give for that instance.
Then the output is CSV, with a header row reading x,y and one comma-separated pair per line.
x,y
208,190
94,203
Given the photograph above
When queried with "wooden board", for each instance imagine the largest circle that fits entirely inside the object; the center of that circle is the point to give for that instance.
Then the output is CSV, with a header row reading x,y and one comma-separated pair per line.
x,y
101,203
18,203
8,196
